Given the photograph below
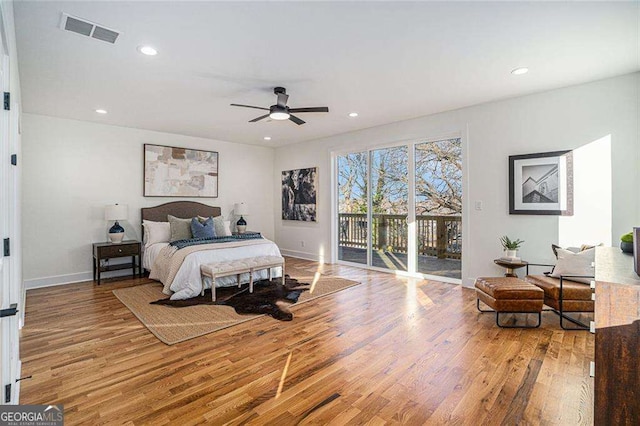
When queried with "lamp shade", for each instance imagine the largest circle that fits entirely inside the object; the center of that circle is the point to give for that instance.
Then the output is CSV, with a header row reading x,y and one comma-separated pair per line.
x,y
116,212
241,209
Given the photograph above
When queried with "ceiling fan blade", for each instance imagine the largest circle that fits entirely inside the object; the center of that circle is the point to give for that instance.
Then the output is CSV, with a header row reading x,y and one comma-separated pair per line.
x,y
282,99
250,106
258,118
296,120
310,109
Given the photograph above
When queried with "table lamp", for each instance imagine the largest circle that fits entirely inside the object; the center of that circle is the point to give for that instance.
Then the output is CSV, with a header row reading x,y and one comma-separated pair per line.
x,y
241,209
116,212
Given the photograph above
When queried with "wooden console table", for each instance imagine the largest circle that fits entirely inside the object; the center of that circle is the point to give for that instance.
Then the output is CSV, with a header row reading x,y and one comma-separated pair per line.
x,y
617,345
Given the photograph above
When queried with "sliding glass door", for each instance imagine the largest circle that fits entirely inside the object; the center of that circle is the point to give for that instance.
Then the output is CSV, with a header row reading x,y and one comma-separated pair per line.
x,y
400,208
438,207
353,229
389,207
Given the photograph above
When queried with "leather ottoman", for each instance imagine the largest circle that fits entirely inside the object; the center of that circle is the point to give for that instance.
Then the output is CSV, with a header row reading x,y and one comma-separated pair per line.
x,y
509,295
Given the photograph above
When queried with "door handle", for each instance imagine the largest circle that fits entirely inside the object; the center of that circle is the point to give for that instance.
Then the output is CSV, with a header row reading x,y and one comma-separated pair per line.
x,y
10,311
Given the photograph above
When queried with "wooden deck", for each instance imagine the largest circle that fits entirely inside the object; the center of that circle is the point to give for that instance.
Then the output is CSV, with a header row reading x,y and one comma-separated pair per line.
x,y
392,350
450,268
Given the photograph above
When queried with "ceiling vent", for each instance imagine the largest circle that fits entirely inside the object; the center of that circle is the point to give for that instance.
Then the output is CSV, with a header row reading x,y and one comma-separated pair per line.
x,y
88,28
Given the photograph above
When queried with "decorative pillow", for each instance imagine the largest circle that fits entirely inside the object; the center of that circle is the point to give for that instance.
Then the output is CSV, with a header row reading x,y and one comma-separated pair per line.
x,y
571,249
227,228
180,228
156,232
222,227
202,229
570,263
582,247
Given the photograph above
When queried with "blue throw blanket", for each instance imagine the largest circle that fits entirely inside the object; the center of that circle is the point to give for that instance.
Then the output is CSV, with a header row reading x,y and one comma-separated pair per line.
x,y
196,241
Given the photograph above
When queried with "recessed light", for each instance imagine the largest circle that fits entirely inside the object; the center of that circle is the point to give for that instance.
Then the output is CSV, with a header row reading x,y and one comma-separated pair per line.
x,y
267,138
520,71
101,111
353,114
147,50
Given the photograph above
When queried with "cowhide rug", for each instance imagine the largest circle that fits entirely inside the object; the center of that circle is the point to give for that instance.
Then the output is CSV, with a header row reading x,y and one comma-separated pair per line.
x,y
268,297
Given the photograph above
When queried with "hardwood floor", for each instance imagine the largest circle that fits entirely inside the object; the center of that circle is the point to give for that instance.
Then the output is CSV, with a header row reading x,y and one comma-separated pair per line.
x,y
391,350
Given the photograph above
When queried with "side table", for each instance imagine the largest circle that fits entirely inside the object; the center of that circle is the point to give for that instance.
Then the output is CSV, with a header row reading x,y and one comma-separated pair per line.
x,y
104,251
510,266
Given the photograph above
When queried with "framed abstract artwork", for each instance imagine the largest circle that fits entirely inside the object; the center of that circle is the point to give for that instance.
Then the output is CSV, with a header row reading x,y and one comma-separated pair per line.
x,y
541,184
299,192
179,172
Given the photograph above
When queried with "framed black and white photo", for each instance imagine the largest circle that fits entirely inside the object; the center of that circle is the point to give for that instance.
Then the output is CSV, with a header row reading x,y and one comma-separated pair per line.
x,y
541,184
299,194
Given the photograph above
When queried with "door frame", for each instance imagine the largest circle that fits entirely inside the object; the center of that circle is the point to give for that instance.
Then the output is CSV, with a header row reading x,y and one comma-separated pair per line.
x,y
411,217
11,289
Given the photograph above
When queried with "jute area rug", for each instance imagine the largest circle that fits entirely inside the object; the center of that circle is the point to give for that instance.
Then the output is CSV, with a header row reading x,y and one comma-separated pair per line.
x,y
173,325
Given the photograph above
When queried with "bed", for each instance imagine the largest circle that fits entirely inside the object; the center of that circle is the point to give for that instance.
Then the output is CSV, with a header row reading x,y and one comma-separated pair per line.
x,y
179,269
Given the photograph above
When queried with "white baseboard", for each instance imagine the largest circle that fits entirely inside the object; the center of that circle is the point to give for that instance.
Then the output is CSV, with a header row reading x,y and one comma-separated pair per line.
x,y
302,255
70,278
17,394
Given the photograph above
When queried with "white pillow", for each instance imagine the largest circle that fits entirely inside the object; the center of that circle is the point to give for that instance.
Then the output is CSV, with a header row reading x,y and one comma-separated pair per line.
x,y
222,227
156,232
570,263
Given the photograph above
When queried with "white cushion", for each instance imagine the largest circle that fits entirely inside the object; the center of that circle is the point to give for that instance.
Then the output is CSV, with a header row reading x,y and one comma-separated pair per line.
x,y
222,227
227,228
580,263
156,232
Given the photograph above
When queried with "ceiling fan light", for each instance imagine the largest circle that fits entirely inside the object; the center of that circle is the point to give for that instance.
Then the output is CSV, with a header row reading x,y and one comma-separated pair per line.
x,y
279,115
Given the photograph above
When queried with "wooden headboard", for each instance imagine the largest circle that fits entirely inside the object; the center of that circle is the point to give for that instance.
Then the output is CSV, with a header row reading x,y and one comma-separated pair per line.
x,y
182,209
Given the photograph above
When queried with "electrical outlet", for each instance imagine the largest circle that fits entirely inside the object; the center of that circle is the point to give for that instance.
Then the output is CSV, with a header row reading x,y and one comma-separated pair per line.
x,y
301,243
478,205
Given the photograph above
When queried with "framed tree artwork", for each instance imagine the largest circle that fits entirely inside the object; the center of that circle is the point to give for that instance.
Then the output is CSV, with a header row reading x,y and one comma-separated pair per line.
x,y
541,184
299,194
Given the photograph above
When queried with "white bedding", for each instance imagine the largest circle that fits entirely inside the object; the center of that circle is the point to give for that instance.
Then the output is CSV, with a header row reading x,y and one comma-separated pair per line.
x,y
150,253
188,281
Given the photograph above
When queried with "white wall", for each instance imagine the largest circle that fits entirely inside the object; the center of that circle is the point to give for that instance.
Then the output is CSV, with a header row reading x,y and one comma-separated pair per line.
x,y
567,118
72,169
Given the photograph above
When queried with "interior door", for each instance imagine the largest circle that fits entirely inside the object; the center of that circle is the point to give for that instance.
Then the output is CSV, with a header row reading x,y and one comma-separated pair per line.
x,y
10,276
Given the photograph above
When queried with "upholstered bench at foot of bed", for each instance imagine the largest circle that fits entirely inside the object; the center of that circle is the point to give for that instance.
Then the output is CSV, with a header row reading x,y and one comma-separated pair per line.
x,y
509,295
240,266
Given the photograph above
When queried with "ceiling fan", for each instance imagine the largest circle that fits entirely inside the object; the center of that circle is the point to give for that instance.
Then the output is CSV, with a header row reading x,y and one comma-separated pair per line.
x,y
280,111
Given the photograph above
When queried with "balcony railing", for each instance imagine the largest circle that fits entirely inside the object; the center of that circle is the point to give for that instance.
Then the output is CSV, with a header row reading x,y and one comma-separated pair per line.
x,y
438,236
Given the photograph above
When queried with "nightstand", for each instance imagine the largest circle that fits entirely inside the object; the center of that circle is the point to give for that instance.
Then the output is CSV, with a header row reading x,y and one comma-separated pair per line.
x,y
104,251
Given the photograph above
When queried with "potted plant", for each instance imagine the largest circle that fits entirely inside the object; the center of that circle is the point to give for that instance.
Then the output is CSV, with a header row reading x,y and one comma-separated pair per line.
x,y
510,246
626,243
